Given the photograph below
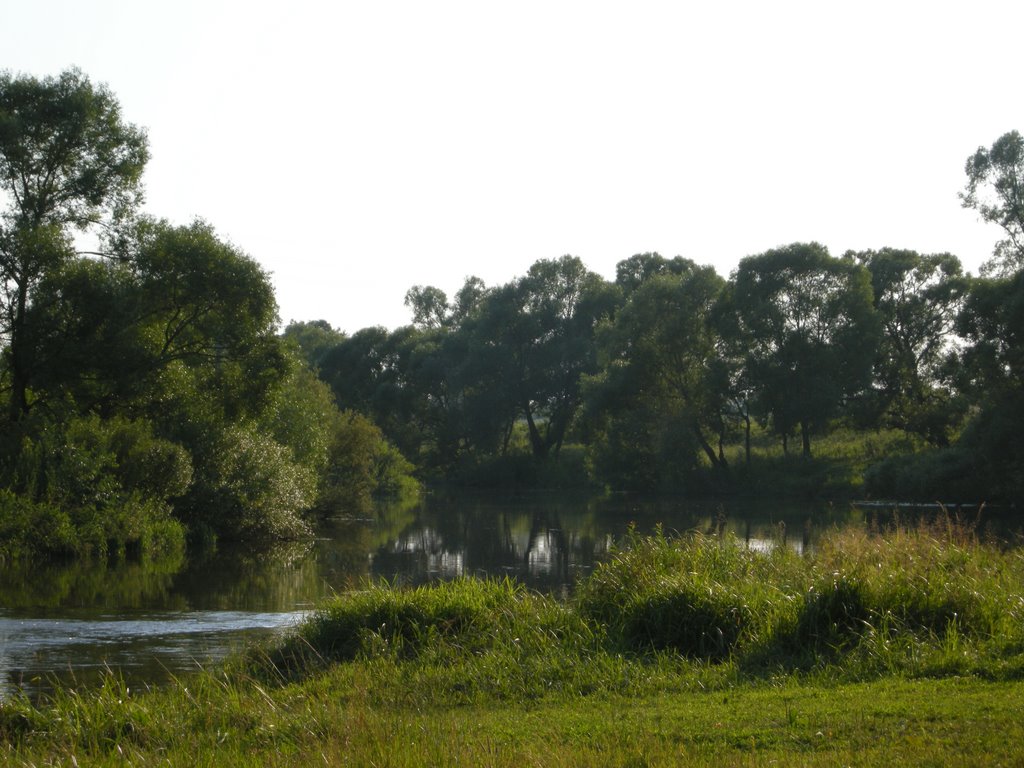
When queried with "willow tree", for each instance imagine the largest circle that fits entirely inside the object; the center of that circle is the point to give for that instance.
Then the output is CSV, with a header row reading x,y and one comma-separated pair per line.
x,y
811,330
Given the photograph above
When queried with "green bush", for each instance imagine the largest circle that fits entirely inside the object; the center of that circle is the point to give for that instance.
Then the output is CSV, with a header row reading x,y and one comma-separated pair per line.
x,y
94,486
361,464
250,488
28,528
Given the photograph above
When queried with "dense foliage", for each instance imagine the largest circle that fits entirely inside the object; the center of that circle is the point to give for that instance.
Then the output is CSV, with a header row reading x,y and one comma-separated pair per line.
x,y
672,377
147,391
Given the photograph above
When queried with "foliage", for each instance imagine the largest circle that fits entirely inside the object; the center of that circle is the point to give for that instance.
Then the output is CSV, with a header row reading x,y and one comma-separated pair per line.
x,y
146,384
314,339
248,486
918,298
811,328
665,384
67,159
95,485
361,465
995,188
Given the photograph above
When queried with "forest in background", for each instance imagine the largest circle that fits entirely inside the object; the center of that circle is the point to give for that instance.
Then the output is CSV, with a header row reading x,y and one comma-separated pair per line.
x,y
147,392
673,378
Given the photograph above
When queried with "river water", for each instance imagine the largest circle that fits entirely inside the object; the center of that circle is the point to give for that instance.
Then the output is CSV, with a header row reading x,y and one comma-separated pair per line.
x,y
69,623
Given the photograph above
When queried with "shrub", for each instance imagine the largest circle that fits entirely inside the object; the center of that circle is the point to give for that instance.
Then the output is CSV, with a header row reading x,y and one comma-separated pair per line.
x,y
251,488
94,486
361,464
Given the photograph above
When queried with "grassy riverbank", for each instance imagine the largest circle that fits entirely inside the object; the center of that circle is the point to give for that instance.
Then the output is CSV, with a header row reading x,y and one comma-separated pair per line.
x,y
907,646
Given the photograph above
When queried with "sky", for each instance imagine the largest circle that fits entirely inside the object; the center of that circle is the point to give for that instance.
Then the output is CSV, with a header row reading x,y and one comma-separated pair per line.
x,y
356,149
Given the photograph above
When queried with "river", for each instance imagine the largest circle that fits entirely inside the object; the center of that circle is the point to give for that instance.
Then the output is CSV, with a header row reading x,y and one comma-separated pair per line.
x,y
70,623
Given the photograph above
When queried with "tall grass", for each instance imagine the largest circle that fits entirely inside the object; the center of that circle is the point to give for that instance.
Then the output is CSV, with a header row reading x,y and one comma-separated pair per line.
x,y
903,599
928,598
701,596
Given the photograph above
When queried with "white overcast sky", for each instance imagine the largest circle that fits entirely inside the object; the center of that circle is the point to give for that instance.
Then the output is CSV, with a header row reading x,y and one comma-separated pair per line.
x,y
356,149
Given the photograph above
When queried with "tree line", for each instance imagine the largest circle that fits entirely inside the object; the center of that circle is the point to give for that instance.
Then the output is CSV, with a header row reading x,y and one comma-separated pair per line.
x,y
659,378
146,392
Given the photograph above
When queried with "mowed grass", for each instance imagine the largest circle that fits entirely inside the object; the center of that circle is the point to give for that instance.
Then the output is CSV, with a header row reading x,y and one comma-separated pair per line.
x,y
902,647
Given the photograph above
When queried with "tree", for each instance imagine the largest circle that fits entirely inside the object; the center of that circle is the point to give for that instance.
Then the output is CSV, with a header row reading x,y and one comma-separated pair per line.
x,y
995,188
812,332
537,336
992,322
67,161
429,306
314,338
662,397
178,305
632,272
918,298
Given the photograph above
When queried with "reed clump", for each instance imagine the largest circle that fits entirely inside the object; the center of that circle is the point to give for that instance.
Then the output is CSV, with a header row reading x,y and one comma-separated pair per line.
x,y
502,628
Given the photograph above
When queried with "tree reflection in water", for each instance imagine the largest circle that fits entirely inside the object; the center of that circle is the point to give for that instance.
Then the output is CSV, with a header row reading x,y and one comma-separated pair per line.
x,y
159,617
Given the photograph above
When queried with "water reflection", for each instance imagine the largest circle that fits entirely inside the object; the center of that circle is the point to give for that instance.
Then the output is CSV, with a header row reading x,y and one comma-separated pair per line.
x,y
158,618
549,543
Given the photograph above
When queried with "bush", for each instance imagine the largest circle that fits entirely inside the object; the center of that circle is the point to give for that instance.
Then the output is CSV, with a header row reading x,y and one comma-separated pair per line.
x,y
361,464
94,486
251,488
28,528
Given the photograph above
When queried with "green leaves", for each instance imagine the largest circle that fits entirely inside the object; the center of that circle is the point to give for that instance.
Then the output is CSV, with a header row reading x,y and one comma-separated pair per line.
x,y
66,156
995,188
811,329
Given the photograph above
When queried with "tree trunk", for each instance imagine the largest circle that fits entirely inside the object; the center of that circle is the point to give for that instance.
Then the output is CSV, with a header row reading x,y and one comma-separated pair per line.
x,y
746,437
708,450
540,448
18,405
805,435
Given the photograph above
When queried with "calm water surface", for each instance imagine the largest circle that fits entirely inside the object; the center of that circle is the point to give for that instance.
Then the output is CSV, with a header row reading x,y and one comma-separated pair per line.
x,y
70,623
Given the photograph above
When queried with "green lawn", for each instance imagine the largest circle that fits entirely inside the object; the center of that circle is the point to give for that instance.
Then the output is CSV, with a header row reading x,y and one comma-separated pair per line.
x,y
958,721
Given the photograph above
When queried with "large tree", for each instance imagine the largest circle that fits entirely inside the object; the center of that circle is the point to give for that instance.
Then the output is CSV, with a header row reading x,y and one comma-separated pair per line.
x,y
539,334
123,335
68,161
811,330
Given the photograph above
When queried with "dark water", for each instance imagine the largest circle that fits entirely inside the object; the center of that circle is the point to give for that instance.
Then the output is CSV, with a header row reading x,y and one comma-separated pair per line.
x,y
152,621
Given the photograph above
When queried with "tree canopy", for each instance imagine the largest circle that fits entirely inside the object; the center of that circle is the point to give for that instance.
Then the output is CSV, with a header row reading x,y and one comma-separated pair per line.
x,y
148,389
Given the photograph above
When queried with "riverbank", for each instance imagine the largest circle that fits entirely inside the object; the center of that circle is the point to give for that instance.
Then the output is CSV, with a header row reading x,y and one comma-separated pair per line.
x,y
904,646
